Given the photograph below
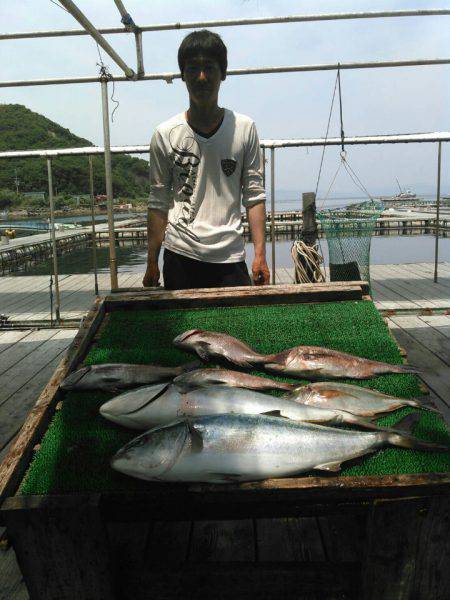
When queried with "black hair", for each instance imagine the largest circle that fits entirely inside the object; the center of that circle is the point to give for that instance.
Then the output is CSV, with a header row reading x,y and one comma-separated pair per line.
x,y
203,42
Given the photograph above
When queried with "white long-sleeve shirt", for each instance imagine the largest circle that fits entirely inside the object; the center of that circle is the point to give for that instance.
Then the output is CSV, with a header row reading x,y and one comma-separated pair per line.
x,y
201,182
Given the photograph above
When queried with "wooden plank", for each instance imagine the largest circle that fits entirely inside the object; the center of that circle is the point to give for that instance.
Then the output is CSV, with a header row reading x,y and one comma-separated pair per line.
x,y
440,323
244,296
404,290
168,543
222,541
390,561
431,339
16,461
432,575
247,581
9,338
14,411
434,371
21,351
418,288
27,368
289,539
62,554
12,585
343,537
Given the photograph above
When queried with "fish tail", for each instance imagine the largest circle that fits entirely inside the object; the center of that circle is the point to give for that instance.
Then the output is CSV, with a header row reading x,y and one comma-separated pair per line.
x,y
190,366
424,404
387,368
402,436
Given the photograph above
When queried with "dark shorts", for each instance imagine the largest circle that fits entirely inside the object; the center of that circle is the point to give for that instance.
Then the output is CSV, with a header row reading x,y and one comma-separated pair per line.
x,y
182,273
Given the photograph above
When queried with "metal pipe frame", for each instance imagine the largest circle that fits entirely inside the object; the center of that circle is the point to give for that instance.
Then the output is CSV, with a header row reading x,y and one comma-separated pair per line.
x,y
169,77
53,236
438,203
76,13
441,136
94,237
272,209
109,187
235,22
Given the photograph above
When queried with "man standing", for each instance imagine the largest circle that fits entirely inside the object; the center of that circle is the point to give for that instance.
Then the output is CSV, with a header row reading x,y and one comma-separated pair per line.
x,y
202,163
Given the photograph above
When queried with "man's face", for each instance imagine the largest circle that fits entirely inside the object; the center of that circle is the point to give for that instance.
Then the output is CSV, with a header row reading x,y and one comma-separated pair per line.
x,y
203,77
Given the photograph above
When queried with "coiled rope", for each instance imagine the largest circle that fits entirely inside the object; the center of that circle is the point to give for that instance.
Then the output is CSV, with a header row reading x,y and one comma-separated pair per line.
x,y
309,270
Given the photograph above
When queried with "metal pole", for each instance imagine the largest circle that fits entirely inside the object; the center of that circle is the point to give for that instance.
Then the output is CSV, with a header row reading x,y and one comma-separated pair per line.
x,y
443,136
438,203
169,77
272,202
234,22
109,187
52,228
84,22
264,166
94,240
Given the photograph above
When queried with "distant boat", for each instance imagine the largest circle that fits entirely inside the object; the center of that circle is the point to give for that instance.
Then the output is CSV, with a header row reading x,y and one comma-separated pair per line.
x,y
403,195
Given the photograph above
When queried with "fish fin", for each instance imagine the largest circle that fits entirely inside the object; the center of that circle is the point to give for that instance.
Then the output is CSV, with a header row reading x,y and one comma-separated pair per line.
x,y
190,366
274,413
196,437
331,466
226,477
407,424
202,350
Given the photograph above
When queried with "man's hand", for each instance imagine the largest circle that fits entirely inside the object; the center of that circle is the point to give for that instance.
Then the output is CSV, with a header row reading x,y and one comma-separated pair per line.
x,y
260,271
151,277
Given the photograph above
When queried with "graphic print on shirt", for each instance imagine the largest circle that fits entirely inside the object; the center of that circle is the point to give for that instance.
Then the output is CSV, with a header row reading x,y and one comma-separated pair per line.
x,y
228,166
187,155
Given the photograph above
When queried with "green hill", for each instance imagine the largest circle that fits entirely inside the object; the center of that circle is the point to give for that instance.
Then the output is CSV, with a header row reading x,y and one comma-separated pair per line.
x,y
22,129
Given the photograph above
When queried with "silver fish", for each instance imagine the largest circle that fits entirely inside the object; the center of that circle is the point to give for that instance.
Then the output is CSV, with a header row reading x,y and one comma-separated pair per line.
x,y
115,376
158,405
352,398
212,345
207,377
236,448
313,362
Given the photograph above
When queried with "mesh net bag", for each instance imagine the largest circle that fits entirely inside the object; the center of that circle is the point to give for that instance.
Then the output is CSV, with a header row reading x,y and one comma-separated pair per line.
x,y
349,232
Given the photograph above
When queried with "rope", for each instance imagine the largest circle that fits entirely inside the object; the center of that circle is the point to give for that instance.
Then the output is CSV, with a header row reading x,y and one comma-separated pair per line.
x,y
105,74
326,135
340,107
308,270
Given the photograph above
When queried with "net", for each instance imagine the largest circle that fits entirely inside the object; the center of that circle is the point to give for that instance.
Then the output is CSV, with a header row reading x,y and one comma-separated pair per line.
x,y
348,232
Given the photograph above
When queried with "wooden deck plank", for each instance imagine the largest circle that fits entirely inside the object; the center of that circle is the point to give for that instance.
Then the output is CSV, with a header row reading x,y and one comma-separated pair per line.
x,y
26,370
434,372
439,322
222,541
22,349
394,279
12,585
424,334
289,539
417,287
9,338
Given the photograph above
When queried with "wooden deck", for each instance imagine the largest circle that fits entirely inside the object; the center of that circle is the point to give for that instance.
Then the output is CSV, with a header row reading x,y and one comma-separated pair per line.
x,y
28,358
396,288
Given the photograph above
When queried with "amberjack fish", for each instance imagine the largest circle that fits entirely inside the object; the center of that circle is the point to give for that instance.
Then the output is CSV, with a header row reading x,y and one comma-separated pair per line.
x,y
158,404
236,448
351,398
116,376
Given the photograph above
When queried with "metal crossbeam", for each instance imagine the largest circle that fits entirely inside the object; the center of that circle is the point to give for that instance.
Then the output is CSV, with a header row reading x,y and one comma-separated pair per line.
x,y
235,22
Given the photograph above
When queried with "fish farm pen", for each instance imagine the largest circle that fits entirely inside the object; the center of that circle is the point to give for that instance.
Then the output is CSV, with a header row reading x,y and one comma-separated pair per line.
x,y
80,529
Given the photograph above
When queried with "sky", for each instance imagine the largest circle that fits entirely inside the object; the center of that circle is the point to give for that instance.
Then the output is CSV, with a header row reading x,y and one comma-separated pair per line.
x,y
295,105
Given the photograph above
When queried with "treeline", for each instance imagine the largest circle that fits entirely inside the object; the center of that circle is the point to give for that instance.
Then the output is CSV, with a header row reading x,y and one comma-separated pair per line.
x,y
22,129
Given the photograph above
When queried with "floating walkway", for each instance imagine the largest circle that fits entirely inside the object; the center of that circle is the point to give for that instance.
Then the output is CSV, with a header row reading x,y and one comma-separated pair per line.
x,y
397,289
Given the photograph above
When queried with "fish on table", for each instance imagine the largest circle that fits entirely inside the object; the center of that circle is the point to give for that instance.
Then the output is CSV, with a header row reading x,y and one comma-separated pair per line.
x,y
237,448
309,362
113,377
352,398
159,404
206,377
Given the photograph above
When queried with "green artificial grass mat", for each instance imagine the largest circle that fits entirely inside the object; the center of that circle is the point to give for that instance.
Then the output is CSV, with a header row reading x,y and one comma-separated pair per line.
x,y
75,452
